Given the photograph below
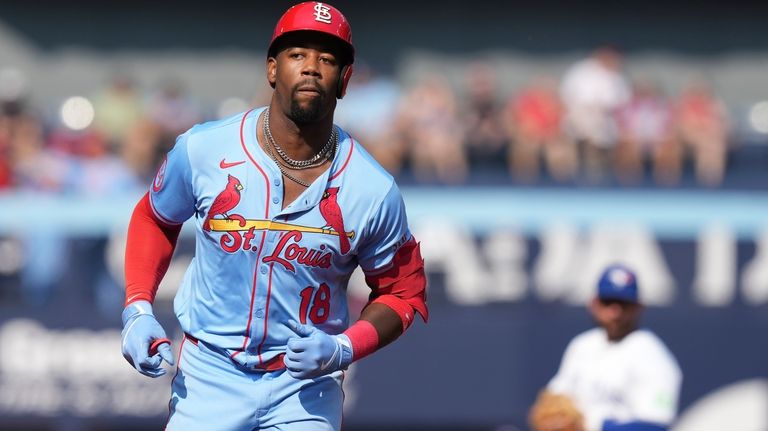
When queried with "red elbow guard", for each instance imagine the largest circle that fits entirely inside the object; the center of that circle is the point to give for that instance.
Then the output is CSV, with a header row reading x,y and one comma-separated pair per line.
x,y
402,287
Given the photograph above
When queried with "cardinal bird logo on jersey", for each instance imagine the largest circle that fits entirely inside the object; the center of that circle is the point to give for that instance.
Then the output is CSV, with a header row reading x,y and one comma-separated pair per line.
x,y
329,208
224,202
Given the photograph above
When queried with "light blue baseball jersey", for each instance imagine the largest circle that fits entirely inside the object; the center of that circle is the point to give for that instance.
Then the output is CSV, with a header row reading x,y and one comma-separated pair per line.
x,y
257,264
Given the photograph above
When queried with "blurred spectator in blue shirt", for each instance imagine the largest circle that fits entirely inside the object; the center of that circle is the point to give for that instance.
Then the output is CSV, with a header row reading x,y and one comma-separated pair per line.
x,y
172,110
429,120
645,133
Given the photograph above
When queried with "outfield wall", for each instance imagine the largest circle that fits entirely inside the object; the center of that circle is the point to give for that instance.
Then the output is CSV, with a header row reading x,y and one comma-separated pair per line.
x,y
509,269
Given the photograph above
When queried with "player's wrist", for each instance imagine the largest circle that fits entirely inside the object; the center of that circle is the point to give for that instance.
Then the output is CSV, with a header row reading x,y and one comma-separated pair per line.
x,y
363,339
346,353
135,309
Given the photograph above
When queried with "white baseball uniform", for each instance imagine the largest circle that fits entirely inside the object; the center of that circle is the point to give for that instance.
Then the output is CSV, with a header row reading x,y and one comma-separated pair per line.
x,y
634,379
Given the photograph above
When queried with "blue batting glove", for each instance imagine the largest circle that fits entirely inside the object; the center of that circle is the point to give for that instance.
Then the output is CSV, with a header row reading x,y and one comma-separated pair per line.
x,y
145,344
314,353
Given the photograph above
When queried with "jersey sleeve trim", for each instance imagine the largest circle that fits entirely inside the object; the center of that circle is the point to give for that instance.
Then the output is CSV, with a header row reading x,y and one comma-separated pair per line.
x,y
162,219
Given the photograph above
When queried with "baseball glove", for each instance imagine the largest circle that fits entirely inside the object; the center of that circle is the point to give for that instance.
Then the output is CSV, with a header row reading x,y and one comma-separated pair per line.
x,y
555,412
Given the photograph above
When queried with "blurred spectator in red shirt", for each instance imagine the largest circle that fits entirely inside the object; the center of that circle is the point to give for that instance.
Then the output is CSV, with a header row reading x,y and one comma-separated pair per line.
x,y
6,172
17,126
534,126
702,126
645,133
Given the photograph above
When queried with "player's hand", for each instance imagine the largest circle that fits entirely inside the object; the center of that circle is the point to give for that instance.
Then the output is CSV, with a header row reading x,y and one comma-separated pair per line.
x,y
145,344
314,353
555,412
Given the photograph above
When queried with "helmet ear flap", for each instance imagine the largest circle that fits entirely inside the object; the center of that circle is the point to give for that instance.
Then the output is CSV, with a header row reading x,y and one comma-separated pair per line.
x,y
344,76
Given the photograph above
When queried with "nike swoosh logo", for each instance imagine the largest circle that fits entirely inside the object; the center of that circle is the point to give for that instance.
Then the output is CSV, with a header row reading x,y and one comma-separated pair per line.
x,y
332,359
225,165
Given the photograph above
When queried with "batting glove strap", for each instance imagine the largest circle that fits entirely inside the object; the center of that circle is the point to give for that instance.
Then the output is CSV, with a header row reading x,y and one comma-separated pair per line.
x,y
136,309
345,351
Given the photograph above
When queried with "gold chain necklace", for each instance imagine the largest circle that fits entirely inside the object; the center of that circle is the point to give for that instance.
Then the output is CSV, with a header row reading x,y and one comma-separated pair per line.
x,y
280,165
317,160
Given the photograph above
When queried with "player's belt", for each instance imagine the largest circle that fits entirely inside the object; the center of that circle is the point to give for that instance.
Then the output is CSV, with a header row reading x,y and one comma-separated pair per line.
x,y
273,364
191,338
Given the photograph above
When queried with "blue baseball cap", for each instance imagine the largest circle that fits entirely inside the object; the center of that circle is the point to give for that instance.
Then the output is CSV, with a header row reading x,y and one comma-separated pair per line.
x,y
618,283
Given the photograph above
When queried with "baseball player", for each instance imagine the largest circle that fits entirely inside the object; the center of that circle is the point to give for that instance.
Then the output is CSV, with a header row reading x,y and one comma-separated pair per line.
x,y
286,205
621,377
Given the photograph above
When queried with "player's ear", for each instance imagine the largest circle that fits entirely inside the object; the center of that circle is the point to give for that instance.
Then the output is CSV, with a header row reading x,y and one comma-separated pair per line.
x,y
594,305
271,71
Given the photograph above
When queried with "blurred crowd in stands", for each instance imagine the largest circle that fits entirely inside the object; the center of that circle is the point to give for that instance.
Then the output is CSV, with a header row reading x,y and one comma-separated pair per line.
x,y
592,125
109,143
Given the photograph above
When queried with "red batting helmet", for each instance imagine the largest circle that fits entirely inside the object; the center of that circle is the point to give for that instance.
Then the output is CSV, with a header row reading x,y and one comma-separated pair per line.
x,y
322,17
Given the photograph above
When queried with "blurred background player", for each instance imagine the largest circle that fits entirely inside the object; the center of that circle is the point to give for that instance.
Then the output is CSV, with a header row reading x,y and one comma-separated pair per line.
x,y
621,377
286,206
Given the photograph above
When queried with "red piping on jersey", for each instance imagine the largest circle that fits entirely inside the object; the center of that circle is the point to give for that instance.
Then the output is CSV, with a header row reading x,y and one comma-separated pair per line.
x,y
253,293
266,313
349,156
263,233
250,157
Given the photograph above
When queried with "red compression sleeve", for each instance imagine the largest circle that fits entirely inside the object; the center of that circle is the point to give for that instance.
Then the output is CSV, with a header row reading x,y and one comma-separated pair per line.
x,y
148,252
364,338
